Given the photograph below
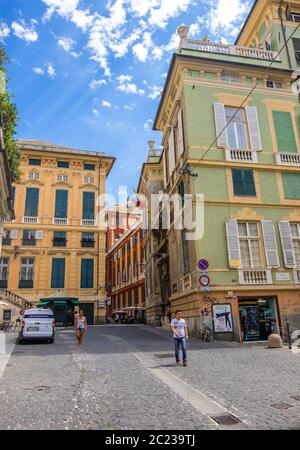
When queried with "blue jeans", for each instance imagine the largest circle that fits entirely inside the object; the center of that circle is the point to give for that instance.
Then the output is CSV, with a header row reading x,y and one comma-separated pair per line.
x,y
180,341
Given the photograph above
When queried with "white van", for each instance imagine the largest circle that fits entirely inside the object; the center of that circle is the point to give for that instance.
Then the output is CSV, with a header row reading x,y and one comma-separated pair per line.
x,y
38,324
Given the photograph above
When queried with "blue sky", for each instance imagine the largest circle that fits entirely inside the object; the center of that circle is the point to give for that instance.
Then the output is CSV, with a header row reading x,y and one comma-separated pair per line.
x,y
88,73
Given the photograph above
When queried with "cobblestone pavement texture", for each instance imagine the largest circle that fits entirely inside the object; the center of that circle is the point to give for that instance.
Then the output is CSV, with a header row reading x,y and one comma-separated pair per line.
x,y
104,386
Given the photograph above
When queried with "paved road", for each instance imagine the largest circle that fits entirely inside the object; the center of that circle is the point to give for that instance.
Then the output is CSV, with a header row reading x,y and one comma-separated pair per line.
x,y
125,378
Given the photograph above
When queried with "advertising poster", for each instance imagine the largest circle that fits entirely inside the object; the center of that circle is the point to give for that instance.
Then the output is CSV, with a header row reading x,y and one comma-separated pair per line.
x,y
222,318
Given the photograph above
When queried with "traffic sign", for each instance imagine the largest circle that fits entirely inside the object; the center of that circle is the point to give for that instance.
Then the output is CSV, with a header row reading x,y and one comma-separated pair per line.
x,y
204,288
204,280
203,264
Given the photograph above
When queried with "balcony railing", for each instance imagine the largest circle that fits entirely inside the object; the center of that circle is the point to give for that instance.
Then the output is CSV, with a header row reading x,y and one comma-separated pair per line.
x,y
57,221
27,219
213,47
241,155
87,223
288,159
253,276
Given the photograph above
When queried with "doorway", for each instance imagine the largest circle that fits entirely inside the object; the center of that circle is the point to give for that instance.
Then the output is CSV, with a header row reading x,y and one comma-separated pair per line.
x,y
88,311
258,318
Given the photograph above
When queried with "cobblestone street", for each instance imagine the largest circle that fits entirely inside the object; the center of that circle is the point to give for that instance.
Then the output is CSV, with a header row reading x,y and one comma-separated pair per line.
x,y
125,378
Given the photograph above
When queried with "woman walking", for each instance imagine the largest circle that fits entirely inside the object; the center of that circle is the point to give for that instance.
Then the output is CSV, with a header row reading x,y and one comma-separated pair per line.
x,y
80,327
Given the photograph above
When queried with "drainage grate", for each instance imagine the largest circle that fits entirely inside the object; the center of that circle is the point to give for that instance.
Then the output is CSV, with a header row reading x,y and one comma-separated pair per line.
x,y
282,406
166,355
296,397
226,419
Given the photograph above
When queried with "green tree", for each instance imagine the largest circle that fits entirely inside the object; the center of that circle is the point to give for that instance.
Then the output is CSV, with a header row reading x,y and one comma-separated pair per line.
x,y
10,119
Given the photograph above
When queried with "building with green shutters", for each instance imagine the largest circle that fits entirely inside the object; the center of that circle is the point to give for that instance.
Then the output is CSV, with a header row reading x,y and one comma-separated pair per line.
x,y
230,114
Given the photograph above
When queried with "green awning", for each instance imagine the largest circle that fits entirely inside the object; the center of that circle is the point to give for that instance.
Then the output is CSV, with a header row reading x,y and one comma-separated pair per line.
x,y
75,302
60,303
43,304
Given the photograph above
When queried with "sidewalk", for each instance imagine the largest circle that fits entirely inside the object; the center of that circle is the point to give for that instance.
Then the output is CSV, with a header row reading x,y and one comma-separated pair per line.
x,y
7,344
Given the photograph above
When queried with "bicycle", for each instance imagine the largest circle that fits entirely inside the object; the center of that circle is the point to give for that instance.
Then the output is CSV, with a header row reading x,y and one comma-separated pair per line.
x,y
207,335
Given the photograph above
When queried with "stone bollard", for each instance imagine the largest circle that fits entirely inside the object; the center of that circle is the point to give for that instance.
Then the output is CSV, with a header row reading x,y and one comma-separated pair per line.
x,y
274,341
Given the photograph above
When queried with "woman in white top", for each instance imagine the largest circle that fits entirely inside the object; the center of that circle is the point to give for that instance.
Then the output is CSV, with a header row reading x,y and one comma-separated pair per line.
x,y
80,327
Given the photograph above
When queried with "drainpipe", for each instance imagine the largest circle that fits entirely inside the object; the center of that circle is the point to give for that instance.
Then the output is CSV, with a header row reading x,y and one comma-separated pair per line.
x,y
283,32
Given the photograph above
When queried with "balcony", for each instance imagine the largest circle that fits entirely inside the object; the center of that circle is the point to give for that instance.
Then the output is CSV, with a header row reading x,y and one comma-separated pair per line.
x,y
225,49
59,221
29,242
243,156
255,277
87,223
31,220
288,159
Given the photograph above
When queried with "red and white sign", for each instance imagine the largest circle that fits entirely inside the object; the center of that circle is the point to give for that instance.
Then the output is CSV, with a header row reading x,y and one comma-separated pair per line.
x,y
204,280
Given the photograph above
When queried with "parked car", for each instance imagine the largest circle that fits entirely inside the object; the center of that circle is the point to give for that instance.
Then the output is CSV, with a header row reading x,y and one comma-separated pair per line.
x,y
37,324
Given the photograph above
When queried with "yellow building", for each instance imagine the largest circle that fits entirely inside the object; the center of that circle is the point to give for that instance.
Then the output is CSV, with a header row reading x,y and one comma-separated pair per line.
x,y
54,251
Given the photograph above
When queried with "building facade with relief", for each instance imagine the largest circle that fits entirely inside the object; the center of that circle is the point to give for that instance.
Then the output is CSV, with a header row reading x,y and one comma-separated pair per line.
x,y
125,273
230,118
53,253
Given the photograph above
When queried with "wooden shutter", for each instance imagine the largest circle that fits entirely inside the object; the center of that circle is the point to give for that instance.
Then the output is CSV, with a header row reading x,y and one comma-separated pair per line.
x,y
270,243
285,135
254,130
287,244
180,134
165,168
233,244
171,152
220,121
39,234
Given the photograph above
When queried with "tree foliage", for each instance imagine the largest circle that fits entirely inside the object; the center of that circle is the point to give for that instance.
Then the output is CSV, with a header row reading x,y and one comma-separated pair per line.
x,y
10,119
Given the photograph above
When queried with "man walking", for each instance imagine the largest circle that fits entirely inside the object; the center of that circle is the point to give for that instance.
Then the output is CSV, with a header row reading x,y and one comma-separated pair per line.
x,y
180,335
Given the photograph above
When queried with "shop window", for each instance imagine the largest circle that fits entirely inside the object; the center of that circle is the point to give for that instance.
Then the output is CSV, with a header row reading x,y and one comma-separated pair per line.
x,y
250,244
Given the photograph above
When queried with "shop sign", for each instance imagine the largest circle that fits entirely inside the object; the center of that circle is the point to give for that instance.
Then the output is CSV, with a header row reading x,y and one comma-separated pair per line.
x,y
101,303
222,318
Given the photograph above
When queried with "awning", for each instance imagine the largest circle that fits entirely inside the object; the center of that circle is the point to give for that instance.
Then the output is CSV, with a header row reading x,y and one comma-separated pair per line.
x,y
75,302
43,304
59,303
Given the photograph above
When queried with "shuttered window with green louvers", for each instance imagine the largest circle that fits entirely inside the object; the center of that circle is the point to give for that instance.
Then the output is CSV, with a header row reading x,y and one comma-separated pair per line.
x,y
243,182
291,185
285,133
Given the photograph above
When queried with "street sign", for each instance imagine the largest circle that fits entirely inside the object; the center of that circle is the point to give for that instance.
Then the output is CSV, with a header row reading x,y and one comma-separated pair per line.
x,y
204,280
203,264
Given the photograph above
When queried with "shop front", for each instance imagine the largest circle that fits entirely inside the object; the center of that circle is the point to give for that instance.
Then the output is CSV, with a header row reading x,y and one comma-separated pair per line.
x,y
258,318
62,307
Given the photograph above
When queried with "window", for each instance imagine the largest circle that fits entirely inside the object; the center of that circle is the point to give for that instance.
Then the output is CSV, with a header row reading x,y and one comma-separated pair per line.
x,y
7,314
63,164
295,232
181,192
89,179
26,273
61,204
33,176
31,202
13,196
88,206
88,240
87,274
296,43
7,237
59,239
185,252
230,78
62,178
58,273
236,130
89,167
4,262
29,237
274,84
34,162
243,182
285,135
249,237
291,185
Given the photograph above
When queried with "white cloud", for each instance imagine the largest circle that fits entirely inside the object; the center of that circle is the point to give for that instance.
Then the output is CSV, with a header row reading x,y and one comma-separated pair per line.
x,y
66,43
25,32
166,10
75,55
194,30
51,71
106,104
127,87
4,30
96,112
94,84
38,70
141,50
148,124
157,53
155,91
226,14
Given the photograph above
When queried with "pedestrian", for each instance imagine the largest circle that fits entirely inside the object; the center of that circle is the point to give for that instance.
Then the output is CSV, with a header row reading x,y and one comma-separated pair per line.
x,y
180,335
81,327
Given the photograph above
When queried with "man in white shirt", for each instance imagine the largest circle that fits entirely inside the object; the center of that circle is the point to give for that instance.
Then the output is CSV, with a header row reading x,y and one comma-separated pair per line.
x,y
180,335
